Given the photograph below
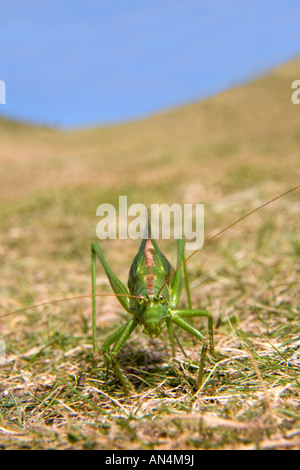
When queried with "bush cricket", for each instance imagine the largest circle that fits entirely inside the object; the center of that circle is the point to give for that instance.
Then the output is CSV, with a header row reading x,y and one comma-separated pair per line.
x,y
154,290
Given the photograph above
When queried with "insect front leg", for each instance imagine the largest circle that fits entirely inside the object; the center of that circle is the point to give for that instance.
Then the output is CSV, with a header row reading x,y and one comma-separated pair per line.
x,y
117,286
178,317
118,339
190,313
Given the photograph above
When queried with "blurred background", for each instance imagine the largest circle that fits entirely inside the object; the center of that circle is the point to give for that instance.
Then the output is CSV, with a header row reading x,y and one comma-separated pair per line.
x,y
84,63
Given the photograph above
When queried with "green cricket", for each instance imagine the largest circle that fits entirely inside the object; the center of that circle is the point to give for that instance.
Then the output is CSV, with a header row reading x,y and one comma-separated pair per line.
x,y
154,290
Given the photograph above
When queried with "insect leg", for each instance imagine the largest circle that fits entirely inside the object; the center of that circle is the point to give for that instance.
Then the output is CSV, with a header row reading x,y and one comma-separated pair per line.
x,y
176,289
119,338
178,318
113,338
190,313
171,335
187,286
117,286
176,282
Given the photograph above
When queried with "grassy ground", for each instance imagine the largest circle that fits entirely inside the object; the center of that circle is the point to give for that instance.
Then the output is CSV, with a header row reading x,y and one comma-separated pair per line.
x,y
231,152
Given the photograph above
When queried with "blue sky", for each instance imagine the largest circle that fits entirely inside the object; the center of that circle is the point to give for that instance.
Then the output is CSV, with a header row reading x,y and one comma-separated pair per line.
x,y
93,62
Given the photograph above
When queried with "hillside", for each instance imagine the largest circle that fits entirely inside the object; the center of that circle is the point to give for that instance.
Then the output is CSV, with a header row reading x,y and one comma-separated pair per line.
x,y
254,123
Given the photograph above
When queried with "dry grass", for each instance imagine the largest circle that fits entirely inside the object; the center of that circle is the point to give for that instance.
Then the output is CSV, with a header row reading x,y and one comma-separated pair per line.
x,y
232,152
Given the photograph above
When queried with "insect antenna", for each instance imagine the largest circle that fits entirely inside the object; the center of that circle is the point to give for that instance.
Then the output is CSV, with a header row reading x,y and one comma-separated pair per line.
x,y
66,299
225,229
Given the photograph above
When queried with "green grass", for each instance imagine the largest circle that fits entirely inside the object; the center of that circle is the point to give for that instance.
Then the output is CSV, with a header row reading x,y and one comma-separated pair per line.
x,y
231,152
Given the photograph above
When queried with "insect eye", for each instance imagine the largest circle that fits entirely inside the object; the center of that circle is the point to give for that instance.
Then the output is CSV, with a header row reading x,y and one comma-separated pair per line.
x,y
162,299
141,300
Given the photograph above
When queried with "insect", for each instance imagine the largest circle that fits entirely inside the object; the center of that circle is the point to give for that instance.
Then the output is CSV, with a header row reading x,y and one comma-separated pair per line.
x,y
154,290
